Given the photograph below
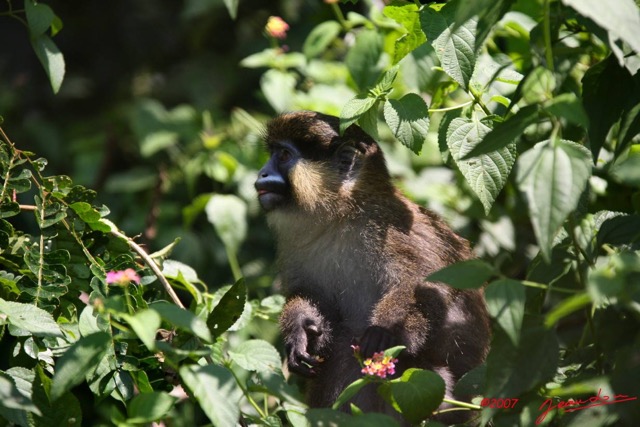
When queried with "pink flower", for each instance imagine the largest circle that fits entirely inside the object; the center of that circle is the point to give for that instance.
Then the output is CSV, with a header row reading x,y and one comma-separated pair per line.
x,y
379,365
123,277
276,27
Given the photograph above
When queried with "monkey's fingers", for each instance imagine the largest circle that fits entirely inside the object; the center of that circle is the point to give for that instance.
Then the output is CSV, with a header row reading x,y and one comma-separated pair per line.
x,y
304,364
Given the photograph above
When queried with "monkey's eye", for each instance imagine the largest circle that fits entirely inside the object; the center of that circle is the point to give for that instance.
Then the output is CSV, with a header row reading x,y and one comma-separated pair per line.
x,y
284,155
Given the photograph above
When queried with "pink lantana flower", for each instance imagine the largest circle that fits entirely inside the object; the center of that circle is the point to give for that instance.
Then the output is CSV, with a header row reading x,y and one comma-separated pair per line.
x,y
123,277
276,27
379,365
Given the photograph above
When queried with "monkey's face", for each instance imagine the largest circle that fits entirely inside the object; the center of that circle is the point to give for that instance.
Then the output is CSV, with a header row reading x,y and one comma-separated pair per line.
x,y
273,184
314,169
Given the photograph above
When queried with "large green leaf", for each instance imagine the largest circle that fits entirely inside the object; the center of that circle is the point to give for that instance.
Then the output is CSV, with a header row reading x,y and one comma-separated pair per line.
x,y
51,59
148,407
320,38
469,274
605,86
552,175
217,392
145,323
228,214
405,14
505,133
455,44
228,310
278,87
30,318
408,118
416,394
355,109
505,303
621,22
82,358
63,411
486,173
363,59
256,355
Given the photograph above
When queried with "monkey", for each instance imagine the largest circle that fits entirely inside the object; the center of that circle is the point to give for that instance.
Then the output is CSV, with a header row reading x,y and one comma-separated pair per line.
x,y
353,255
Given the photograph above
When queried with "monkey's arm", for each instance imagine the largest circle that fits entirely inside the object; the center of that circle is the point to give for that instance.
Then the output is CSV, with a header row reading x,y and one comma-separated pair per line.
x,y
405,316
306,334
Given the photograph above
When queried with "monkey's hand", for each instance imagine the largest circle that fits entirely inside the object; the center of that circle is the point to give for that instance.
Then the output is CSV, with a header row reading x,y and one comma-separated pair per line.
x,y
375,339
306,334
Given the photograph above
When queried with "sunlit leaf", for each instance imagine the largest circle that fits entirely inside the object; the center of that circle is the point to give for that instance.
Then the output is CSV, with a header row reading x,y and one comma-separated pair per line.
x,y
228,214
256,355
148,407
552,175
217,392
470,274
455,45
320,38
486,173
408,118
30,318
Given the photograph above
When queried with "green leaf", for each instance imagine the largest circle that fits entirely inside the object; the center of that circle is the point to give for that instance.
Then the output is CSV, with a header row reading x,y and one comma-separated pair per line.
x,y
627,170
505,133
469,274
538,86
217,392
489,12
512,369
278,87
363,59
39,17
78,361
416,394
505,302
355,109
148,407
566,307
552,176
145,323
64,411
486,173
621,22
51,59
228,310
182,319
350,391
228,214
405,14
455,45
232,8
12,397
30,318
604,87
256,355
569,107
320,38
408,118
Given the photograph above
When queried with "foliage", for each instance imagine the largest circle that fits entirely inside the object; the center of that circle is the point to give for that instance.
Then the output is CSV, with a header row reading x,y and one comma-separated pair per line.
x,y
532,109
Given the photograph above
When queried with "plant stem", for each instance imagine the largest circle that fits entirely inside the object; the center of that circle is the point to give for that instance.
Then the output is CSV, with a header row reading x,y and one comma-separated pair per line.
x,y
248,395
340,17
547,287
462,404
234,264
548,50
455,107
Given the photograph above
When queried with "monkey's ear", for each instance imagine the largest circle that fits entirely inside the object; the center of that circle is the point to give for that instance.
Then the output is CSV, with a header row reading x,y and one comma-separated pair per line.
x,y
349,158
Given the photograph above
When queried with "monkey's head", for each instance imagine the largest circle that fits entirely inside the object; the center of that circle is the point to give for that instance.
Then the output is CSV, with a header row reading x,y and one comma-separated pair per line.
x,y
314,169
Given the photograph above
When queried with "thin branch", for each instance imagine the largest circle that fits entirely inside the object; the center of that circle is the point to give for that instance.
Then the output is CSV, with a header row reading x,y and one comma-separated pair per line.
x,y
152,264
